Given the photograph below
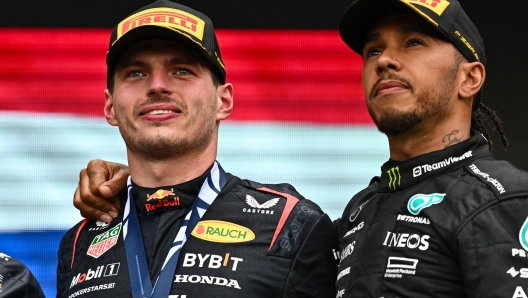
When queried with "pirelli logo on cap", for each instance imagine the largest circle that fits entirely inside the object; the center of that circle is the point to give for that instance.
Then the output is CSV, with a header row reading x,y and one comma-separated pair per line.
x,y
466,42
165,17
437,6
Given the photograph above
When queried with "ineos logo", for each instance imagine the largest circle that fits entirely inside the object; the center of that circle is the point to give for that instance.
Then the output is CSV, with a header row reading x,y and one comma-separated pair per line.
x,y
411,241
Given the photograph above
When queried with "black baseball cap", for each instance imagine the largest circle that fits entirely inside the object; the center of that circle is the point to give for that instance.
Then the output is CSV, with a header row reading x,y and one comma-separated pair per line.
x,y
166,20
447,16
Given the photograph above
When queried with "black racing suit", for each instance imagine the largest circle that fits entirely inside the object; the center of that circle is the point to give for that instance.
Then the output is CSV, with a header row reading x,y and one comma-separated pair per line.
x,y
294,257
16,281
450,223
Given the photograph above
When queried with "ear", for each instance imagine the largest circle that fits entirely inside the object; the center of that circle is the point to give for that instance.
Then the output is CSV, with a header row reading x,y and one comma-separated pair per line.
x,y
225,101
474,75
109,109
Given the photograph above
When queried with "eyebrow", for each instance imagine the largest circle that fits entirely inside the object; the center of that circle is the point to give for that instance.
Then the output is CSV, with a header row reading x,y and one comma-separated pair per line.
x,y
129,63
172,61
183,60
401,31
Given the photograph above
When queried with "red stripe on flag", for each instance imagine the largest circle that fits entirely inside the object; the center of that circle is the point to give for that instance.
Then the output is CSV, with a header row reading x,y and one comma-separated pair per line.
x,y
278,75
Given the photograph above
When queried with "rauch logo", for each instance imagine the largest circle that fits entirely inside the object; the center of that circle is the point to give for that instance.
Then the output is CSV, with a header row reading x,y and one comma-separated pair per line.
x,y
222,232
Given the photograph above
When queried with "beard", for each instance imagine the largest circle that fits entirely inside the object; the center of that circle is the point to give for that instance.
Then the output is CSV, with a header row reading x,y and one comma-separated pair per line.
x,y
198,134
432,102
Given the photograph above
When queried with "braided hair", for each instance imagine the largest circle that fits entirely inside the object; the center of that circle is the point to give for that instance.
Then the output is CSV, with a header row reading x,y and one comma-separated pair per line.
x,y
483,120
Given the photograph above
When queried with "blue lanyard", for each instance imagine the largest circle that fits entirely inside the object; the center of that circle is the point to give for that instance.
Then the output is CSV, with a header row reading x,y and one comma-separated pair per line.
x,y
135,249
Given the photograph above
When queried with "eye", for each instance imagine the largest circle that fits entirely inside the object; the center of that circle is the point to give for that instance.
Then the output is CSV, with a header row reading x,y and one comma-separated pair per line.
x,y
374,52
134,73
413,42
183,71
370,52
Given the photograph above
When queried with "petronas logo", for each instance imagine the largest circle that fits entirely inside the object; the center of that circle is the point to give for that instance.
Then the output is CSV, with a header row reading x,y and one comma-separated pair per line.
x,y
419,202
394,177
523,235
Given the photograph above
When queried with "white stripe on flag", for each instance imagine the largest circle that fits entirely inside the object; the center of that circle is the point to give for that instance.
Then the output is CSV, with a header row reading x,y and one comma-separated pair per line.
x,y
43,154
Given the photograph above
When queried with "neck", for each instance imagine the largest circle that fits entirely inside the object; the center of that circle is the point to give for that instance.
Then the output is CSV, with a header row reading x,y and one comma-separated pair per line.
x,y
170,171
428,137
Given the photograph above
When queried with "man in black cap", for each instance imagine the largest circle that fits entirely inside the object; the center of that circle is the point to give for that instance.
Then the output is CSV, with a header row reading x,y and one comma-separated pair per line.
x,y
444,219
189,229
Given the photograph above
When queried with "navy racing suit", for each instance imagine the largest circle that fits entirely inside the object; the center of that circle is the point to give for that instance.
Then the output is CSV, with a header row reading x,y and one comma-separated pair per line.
x,y
254,241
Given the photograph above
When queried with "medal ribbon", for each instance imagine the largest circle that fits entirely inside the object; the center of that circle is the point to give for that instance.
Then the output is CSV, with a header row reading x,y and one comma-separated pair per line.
x,y
135,249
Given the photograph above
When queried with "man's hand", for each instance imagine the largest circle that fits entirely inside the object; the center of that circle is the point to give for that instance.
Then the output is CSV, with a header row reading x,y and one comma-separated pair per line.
x,y
99,185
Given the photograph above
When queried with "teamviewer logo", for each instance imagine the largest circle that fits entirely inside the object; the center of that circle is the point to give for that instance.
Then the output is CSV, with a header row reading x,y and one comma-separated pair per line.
x,y
417,171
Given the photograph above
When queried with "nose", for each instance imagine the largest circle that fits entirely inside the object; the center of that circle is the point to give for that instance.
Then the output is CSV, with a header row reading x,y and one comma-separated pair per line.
x,y
159,83
387,61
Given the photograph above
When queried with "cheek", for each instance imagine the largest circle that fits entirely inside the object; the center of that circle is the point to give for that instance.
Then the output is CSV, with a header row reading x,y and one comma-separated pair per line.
x,y
367,80
123,108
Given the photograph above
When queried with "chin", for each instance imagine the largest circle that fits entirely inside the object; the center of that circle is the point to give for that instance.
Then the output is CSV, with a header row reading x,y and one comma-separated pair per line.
x,y
396,122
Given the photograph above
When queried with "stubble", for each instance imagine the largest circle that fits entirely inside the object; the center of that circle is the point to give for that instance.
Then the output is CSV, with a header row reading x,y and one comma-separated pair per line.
x,y
197,135
431,102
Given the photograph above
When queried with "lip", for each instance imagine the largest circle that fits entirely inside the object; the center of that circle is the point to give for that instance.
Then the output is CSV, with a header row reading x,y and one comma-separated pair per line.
x,y
144,112
389,86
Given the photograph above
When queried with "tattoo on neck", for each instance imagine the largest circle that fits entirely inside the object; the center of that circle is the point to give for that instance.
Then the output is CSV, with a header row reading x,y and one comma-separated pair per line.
x,y
451,138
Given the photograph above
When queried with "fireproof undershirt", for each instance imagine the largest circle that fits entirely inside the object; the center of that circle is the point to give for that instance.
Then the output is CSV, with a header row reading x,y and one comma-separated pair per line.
x,y
156,225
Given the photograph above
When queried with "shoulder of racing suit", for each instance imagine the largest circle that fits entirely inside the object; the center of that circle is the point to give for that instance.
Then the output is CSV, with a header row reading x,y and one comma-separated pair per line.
x,y
481,185
304,233
474,188
298,216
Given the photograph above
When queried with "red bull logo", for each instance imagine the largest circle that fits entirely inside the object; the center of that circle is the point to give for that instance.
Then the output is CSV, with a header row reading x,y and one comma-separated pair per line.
x,y
160,194
164,17
437,6
162,201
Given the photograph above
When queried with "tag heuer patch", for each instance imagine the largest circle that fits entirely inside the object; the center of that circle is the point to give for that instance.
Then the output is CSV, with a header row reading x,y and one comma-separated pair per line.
x,y
104,241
